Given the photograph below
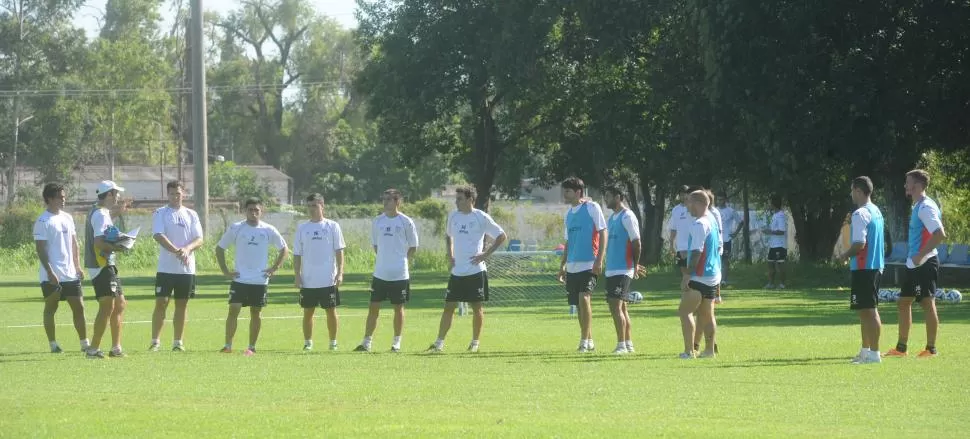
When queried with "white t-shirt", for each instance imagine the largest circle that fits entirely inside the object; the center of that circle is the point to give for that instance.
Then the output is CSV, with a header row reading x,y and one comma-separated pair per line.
x,y
181,226
730,219
100,221
779,223
595,212
58,232
680,221
699,230
467,232
252,249
720,224
393,236
632,227
317,245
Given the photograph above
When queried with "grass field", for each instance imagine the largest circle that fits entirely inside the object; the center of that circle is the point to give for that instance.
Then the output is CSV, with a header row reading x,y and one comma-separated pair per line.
x,y
783,371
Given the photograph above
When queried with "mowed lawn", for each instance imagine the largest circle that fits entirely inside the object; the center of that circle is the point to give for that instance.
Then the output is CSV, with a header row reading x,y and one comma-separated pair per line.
x,y
783,372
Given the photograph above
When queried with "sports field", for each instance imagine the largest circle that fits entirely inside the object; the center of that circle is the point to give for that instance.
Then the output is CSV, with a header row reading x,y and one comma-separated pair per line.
x,y
783,371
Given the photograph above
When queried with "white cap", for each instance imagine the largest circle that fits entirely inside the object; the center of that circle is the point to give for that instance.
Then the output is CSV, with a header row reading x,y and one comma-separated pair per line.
x,y
108,185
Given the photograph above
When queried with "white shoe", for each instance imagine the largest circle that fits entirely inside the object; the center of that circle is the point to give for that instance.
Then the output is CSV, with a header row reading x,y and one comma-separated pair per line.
x,y
769,286
473,347
629,349
621,351
781,286
687,356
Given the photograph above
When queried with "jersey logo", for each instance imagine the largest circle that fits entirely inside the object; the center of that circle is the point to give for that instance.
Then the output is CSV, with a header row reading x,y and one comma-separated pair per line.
x,y
316,236
463,229
252,240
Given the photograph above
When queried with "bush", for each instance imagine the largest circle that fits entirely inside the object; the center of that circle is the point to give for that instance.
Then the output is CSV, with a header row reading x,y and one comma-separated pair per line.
x,y
17,224
429,209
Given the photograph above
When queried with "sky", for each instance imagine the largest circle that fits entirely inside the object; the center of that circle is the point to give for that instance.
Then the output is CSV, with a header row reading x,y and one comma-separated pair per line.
x,y
340,10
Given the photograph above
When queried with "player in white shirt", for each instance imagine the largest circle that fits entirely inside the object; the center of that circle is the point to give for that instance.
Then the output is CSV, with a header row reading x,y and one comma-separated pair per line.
x,y
55,239
699,287
680,221
465,243
777,232
250,278
178,232
733,221
318,266
622,265
99,259
395,240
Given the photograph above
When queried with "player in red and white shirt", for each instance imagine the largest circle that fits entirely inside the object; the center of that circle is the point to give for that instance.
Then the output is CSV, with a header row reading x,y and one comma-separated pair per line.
x,y
318,265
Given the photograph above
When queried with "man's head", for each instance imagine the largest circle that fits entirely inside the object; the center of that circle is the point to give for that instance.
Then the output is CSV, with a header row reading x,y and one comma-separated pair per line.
x,y
710,198
573,190
392,200
108,193
917,181
697,203
614,197
54,196
465,198
254,209
861,190
176,192
776,202
314,206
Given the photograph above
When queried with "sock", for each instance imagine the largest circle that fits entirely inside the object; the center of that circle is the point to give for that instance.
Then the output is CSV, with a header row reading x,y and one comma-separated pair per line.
x,y
932,349
177,343
629,344
85,343
333,342
621,345
396,342
901,347
366,342
252,347
116,348
308,342
54,344
156,341
439,343
474,342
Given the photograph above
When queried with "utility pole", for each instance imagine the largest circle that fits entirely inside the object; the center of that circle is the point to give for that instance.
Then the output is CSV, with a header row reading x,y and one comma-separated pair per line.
x,y
200,149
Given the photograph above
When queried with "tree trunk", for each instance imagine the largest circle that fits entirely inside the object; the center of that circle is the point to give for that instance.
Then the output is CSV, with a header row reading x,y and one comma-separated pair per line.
x,y
817,226
486,150
651,228
746,230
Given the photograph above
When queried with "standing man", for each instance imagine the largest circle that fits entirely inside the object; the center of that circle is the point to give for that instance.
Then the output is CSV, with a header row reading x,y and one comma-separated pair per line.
x,y
178,232
865,256
700,285
622,265
922,265
777,232
582,258
55,239
318,265
395,239
250,279
99,258
465,243
733,221
680,221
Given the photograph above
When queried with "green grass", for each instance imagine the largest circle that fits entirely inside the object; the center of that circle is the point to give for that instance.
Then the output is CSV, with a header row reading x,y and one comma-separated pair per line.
x,y
783,371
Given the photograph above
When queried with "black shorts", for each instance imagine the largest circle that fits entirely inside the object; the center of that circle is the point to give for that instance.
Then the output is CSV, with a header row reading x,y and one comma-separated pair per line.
x,y
865,289
247,295
777,254
398,291
920,282
726,254
182,286
67,289
471,289
107,284
579,284
326,297
618,287
681,261
707,291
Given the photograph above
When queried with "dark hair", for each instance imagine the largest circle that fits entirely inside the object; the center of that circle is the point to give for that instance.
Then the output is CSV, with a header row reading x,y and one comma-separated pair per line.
x,y
104,195
468,191
684,189
574,183
175,184
51,190
776,201
394,193
253,201
920,176
316,196
863,184
710,197
615,191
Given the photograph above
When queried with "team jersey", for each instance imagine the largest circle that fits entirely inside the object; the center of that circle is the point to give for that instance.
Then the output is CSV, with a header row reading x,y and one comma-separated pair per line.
x,y
867,228
393,236
779,223
99,219
58,233
730,219
706,266
467,232
181,226
924,221
317,244
622,229
252,249
583,224
680,222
